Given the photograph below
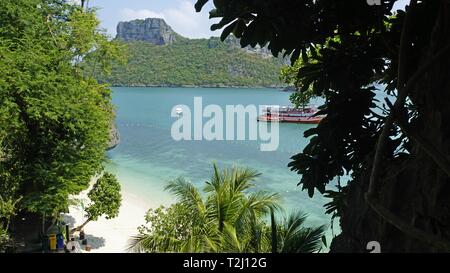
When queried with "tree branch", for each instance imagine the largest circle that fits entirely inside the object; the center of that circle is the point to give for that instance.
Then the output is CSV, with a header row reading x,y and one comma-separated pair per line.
x,y
79,228
405,227
439,158
382,140
47,20
403,53
402,95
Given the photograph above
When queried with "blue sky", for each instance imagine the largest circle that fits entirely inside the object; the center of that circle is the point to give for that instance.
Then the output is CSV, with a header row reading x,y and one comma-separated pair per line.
x,y
179,14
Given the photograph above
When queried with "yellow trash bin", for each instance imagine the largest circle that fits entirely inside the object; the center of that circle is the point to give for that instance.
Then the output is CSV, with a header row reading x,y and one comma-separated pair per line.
x,y
52,241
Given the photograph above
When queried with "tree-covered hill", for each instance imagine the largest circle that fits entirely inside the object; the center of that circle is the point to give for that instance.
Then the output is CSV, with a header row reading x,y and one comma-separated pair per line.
x,y
193,62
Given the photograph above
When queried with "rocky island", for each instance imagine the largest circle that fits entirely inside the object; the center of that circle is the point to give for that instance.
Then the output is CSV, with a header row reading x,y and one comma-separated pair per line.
x,y
160,57
153,30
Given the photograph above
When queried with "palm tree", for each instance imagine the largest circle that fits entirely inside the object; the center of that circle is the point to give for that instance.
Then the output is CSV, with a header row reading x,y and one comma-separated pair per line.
x,y
200,232
227,210
229,218
291,236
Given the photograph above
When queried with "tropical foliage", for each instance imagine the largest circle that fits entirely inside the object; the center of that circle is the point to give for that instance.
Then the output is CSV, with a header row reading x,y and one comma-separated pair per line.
x,y
229,218
293,237
7,211
289,75
54,120
105,199
396,154
197,62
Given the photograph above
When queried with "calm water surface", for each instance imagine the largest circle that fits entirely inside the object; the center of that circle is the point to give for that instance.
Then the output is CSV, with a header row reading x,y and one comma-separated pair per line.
x,y
148,157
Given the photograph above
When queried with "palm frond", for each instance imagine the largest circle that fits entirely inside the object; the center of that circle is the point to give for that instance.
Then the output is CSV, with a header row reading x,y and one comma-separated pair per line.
x,y
231,240
153,244
294,223
187,194
243,178
295,238
215,183
261,202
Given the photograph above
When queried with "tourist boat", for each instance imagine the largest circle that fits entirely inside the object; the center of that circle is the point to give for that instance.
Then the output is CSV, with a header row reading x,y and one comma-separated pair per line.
x,y
275,113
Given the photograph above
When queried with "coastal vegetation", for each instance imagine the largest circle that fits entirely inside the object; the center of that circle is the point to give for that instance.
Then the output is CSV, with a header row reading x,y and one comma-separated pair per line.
x,y
54,118
302,93
228,216
105,199
396,154
193,62
7,211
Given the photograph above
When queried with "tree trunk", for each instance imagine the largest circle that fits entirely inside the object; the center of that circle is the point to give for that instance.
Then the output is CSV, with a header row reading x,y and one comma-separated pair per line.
x,y
413,187
274,241
43,224
79,228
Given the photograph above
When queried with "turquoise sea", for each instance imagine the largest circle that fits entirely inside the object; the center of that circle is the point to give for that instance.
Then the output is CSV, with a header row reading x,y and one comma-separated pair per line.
x,y
147,156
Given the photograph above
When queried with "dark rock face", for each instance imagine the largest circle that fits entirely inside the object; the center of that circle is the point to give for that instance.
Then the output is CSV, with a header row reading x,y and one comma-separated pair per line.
x,y
114,138
262,51
153,30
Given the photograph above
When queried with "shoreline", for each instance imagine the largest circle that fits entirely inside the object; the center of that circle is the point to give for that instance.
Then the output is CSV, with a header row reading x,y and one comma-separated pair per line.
x,y
111,236
281,88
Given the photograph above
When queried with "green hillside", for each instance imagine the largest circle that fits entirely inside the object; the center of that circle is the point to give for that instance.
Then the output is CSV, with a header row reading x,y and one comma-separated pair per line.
x,y
194,62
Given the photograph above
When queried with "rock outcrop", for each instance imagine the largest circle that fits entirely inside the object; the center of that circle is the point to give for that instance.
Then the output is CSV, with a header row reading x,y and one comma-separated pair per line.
x,y
261,51
114,137
153,30
236,42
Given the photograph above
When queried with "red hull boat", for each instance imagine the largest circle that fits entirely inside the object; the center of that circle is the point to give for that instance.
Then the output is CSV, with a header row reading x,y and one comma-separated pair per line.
x,y
306,115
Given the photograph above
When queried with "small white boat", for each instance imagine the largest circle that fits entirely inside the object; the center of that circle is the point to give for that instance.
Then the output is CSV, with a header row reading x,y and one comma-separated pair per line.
x,y
178,110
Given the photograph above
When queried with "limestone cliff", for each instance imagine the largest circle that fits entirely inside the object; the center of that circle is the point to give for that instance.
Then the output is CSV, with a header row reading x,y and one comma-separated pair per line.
x,y
114,138
153,30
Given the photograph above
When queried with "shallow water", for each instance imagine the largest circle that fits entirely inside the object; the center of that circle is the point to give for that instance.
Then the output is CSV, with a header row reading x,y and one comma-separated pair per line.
x,y
148,157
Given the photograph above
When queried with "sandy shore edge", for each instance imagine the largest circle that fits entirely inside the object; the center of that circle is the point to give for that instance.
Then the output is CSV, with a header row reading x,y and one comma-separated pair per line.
x,y
110,236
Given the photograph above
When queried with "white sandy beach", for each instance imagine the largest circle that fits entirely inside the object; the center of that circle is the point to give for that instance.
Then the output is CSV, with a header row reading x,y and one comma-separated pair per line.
x,y
111,236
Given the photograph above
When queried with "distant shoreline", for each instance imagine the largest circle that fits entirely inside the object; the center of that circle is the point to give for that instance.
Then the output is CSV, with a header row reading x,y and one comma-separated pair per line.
x,y
282,88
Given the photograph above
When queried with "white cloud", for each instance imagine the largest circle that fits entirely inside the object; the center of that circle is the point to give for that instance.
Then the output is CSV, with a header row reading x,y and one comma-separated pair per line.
x,y
183,19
